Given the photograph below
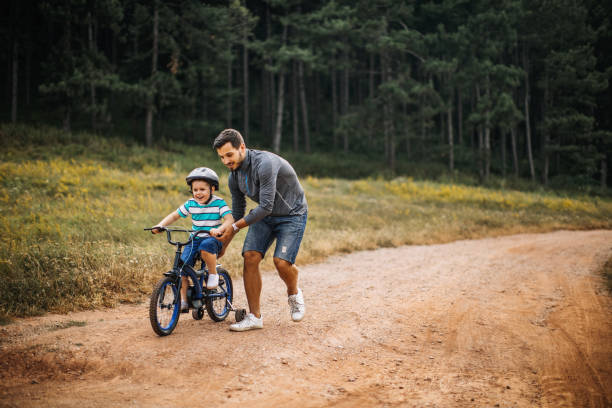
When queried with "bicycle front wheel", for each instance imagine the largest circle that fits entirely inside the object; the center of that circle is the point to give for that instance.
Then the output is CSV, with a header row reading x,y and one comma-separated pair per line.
x,y
164,309
218,301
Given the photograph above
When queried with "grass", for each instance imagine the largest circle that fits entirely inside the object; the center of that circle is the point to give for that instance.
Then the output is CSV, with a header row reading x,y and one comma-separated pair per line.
x,y
607,274
73,208
65,325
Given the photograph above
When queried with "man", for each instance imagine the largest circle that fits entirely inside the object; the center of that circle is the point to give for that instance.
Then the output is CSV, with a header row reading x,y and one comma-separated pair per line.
x,y
270,181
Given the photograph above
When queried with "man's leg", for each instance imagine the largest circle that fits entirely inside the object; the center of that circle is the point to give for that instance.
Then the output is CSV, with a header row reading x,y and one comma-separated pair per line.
x,y
289,274
252,280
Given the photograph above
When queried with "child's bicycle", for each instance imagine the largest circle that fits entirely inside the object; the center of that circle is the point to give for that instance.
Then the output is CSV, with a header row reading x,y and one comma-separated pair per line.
x,y
165,305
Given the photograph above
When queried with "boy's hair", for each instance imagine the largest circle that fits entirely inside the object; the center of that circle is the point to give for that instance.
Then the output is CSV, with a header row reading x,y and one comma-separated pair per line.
x,y
228,135
210,185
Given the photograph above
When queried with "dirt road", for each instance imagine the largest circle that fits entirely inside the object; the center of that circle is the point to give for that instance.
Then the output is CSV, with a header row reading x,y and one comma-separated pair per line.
x,y
517,321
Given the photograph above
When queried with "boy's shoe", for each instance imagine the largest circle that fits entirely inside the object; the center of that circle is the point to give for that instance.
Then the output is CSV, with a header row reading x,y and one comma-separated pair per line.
x,y
297,306
184,307
213,281
249,322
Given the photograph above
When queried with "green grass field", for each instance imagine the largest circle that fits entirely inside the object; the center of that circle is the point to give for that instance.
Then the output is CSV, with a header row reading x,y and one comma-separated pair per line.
x,y
73,208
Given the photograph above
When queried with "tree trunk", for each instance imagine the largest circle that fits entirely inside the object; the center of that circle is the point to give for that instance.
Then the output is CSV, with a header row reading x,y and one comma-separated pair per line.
x,y
317,103
449,120
481,167
294,107
334,102
279,114
488,134
267,85
503,152
604,173
345,100
67,125
276,144
515,164
527,120
371,97
265,102
245,80
304,104
150,104
15,77
545,135
28,74
228,100
388,127
407,128
459,118
481,172
92,85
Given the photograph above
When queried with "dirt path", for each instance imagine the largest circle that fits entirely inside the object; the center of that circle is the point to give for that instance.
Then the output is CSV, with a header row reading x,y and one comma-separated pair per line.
x,y
517,321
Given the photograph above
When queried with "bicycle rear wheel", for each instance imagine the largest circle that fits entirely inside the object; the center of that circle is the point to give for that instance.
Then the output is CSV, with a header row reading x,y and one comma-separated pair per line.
x,y
165,305
218,301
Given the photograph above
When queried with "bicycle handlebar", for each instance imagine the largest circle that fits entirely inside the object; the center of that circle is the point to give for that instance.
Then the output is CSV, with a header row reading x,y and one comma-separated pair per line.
x,y
169,232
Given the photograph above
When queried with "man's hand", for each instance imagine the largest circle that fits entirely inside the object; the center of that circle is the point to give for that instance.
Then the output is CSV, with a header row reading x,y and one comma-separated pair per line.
x,y
217,232
227,234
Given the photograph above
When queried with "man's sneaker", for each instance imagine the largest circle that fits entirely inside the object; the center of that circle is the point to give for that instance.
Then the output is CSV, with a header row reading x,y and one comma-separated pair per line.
x,y
213,281
297,306
250,322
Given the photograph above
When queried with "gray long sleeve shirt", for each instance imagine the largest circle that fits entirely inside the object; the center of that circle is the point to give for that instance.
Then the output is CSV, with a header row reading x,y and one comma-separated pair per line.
x,y
270,181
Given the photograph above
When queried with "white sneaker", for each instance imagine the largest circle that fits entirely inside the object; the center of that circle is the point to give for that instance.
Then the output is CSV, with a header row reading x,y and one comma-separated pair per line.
x,y
297,306
249,322
213,281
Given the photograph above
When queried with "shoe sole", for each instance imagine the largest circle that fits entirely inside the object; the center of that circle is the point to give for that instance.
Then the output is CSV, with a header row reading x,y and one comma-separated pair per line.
x,y
244,329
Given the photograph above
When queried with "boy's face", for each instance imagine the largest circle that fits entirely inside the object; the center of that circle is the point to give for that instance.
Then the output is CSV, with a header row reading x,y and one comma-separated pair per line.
x,y
230,156
201,191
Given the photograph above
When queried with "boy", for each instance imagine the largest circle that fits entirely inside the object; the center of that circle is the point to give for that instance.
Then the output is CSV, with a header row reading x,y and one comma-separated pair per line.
x,y
207,210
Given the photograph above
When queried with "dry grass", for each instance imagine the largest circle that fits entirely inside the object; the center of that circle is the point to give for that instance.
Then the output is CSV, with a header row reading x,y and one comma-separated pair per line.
x,y
73,227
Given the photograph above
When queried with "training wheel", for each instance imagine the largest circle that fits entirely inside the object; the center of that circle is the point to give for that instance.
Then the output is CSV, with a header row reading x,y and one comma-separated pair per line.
x,y
240,315
198,313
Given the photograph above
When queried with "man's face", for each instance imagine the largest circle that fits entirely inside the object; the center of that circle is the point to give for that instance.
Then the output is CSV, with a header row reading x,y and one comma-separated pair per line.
x,y
230,156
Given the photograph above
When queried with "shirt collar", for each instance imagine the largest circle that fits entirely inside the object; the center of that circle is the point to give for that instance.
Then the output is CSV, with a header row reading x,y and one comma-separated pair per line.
x,y
246,163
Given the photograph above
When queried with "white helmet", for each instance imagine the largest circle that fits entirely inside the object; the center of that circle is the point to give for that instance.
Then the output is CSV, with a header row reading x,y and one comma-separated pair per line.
x,y
203,173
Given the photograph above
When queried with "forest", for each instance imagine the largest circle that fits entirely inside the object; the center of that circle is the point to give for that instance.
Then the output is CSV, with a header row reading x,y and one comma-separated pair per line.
x,y
514,89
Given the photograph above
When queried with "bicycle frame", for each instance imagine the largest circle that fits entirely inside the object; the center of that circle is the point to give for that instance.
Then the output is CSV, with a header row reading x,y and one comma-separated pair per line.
x,y
178,270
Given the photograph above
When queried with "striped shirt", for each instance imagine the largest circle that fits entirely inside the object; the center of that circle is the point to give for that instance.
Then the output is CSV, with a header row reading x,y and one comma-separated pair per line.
x,y
204,217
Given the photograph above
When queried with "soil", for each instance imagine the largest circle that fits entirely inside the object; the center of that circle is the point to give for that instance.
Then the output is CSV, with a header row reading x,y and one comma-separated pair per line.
x,y
515,321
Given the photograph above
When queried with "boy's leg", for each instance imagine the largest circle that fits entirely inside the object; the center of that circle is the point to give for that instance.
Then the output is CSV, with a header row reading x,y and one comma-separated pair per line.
x,y
184,284
211,264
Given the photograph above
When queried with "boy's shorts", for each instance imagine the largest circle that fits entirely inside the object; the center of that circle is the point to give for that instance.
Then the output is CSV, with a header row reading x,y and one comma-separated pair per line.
x,y
288,232
209,244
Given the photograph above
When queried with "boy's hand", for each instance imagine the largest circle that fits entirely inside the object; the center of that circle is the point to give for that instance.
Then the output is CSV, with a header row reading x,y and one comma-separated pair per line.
x,y
217,232
156,230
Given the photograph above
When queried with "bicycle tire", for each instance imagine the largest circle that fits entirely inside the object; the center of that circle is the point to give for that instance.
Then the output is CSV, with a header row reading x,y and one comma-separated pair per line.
x,y
164,307
218,308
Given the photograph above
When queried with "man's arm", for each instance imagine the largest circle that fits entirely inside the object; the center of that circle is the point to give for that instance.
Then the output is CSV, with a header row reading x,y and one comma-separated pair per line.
x,y
268,173
238,198
225,233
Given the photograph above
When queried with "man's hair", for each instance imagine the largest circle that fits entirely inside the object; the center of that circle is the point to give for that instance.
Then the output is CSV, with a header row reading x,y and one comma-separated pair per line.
x,y
228,135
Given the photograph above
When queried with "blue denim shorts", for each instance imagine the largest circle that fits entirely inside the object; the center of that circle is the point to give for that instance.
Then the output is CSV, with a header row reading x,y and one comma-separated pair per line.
x,y
208,244
288,232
